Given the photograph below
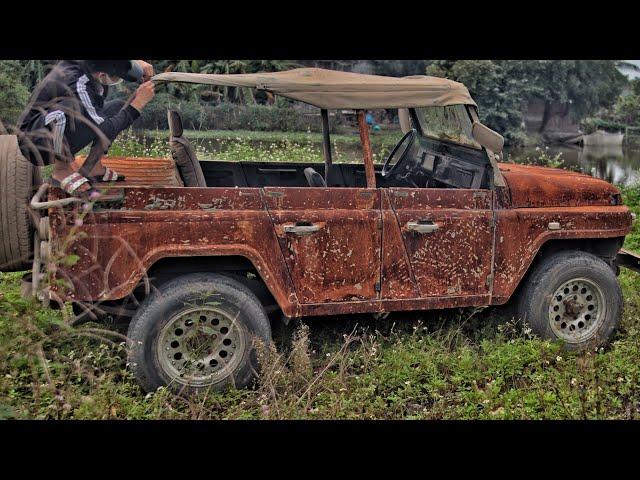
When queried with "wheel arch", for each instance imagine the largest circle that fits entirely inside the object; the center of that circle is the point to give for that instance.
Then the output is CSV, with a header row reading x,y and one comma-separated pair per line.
x,y
606,248
237,266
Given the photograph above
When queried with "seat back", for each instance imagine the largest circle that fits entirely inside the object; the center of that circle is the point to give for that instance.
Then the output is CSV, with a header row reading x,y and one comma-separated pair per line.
x,y
183,153
314,178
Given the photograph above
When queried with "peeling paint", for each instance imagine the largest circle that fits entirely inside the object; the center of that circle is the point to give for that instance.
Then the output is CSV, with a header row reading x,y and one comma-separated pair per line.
x,y
361,255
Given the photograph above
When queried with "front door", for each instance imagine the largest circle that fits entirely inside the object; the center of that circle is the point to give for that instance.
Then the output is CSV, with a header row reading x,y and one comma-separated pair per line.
x,y
448,235
330,239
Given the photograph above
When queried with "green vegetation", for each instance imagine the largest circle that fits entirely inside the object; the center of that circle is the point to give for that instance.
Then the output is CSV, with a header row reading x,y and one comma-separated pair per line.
x,y
200,115
13,92
275,136
623,115
503,88
462,364
261,146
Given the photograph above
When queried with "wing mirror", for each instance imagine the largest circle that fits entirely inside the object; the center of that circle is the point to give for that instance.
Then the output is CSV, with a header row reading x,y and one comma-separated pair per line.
x,y
487,138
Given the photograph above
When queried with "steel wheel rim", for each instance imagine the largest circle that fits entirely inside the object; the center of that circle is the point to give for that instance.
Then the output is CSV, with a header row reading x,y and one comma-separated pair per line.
x,y
577,310
201,346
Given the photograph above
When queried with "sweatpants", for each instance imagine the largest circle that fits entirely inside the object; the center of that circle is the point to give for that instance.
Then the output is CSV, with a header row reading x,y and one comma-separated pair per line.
x,y
57,135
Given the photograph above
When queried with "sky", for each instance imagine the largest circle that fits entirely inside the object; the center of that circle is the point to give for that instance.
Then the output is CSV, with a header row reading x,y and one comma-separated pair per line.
x,y
633,74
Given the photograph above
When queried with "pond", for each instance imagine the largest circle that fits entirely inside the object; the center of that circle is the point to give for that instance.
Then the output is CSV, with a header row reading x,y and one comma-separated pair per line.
x,y
615,164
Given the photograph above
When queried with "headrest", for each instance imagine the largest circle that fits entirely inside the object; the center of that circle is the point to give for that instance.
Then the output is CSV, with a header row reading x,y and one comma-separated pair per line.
x,y
175,123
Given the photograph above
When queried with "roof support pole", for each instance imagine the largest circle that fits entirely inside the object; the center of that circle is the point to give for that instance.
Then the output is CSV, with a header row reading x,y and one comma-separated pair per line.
x,y
326,143
366,149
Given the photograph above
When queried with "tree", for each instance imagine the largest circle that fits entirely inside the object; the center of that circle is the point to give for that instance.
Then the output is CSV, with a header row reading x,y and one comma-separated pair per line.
x,y
230,94
503,88
14,94
499,88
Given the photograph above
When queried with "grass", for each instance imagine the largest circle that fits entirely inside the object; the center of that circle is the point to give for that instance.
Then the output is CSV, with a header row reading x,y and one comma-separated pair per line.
x,y
263,146
300,137
460,364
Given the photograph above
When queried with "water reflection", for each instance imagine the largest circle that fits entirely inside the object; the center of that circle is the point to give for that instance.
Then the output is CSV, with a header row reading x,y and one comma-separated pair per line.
x,y
615,164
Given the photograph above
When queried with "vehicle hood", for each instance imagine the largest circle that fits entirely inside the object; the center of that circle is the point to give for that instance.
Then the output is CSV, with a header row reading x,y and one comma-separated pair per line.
x,y
532,186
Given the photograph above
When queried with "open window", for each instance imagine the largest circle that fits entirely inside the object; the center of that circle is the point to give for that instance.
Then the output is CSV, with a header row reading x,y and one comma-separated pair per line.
x,y
440,151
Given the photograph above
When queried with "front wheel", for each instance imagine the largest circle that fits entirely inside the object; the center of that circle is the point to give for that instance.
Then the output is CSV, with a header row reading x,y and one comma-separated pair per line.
x,y
572,296
197,333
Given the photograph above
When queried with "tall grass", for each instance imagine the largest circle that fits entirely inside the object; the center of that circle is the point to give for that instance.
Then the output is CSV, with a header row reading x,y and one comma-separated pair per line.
x,y
460,364
254,146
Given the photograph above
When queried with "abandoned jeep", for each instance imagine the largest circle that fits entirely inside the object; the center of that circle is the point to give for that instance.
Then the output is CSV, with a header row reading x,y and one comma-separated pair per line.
x,y
199,253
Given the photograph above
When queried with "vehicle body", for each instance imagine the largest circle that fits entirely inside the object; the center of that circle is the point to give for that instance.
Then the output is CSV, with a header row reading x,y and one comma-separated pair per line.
x,y
452,228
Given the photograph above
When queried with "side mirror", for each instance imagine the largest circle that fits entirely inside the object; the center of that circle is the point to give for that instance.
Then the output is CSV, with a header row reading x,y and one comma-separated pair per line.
x,y
487,138
405,120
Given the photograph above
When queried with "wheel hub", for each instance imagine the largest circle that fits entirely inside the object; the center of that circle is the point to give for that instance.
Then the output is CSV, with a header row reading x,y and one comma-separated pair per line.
x,y
576,310
201,346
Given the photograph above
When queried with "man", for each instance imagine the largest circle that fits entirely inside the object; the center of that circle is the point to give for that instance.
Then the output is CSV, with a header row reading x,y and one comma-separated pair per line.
x,y
67,112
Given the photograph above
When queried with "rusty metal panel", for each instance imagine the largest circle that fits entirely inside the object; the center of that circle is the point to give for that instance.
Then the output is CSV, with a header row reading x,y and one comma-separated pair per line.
x,y
141,171
399,305
398,280
117,247
198,199
366,150
455,257
521,232
340,260
532,186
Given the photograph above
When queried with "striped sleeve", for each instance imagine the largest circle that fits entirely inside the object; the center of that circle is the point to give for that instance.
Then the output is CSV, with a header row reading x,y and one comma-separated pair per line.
x,y
81,87
110,126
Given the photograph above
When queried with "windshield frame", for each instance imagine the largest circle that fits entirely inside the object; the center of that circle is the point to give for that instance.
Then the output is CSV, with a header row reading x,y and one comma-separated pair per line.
x,y
470,143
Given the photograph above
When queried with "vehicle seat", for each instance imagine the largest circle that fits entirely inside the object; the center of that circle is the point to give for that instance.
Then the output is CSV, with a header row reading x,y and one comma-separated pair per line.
x,y
314,178
183,153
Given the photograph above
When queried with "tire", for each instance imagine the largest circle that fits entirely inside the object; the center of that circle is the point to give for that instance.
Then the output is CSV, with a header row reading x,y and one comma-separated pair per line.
x,y
572,296
17,179
212,302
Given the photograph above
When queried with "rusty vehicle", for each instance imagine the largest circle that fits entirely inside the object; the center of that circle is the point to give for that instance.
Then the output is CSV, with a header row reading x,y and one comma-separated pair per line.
x,y
200,253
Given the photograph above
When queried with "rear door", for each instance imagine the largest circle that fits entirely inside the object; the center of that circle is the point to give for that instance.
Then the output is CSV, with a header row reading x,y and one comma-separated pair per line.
x,y
330,239
448,236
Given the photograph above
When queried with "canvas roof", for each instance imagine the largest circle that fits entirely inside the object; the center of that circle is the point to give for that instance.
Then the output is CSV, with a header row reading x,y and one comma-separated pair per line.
x,y
333,89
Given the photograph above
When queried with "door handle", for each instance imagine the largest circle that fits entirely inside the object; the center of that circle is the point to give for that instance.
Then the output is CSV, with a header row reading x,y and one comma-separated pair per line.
x,y
302,229
422,227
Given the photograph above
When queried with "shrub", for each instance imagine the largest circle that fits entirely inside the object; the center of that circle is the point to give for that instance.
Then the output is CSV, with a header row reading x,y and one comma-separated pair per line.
x,y
13,94
229,116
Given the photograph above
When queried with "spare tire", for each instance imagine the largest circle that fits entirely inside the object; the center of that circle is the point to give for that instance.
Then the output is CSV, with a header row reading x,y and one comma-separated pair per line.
x,y
17,180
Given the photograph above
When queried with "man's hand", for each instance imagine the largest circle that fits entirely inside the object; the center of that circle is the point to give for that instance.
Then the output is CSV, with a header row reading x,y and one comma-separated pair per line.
x,y
147,70
144,94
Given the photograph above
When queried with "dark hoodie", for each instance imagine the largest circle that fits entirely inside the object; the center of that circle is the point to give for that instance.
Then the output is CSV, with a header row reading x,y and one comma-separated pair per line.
x,y
70,97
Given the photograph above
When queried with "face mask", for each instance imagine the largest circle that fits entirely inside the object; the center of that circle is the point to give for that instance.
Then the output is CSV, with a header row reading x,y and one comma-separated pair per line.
x,y
108,80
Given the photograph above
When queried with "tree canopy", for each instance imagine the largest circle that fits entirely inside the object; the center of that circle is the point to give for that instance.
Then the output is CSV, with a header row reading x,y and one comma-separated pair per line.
x,y
503,88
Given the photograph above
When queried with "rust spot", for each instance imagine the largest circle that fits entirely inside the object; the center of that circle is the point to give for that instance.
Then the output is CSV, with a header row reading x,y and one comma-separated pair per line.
x,y
355,250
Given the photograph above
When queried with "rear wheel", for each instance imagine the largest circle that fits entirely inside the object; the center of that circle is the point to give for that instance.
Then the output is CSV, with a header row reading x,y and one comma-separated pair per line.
x,y
572,296
17,179
197,333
